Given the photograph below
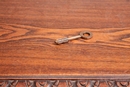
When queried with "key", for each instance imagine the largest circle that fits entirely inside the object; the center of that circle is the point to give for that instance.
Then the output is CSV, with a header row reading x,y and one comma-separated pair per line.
x,y
81,35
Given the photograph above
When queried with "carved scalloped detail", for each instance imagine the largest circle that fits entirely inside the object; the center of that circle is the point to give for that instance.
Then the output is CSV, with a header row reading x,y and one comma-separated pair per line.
x,y
67,83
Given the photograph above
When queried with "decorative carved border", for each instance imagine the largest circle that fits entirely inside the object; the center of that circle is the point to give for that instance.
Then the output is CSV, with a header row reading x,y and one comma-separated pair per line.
x,y
67,83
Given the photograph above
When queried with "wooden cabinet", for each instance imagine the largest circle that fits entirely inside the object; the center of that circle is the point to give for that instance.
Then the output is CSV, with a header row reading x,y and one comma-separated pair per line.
x,y
29,57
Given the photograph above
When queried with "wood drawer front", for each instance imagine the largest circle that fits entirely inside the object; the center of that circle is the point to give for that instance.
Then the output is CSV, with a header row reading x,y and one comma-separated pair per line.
x,y
28,30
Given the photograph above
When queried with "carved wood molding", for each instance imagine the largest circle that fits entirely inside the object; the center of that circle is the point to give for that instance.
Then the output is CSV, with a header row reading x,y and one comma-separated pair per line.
x,y
67,83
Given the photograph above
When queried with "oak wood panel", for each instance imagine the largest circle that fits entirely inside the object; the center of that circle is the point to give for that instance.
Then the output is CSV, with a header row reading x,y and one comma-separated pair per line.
x,y
28,30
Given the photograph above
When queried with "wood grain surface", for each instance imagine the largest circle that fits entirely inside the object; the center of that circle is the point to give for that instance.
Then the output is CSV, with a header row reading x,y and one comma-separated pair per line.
x,y
28,29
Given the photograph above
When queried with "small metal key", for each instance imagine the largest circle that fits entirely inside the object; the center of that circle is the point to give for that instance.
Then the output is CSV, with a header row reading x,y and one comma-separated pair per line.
x,y
81,35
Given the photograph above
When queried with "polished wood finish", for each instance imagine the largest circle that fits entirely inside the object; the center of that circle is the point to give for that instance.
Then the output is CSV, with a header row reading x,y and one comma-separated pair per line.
x,y
28,29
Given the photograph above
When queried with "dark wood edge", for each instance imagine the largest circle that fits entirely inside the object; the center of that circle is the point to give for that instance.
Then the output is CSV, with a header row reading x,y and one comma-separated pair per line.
x,y
115,76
